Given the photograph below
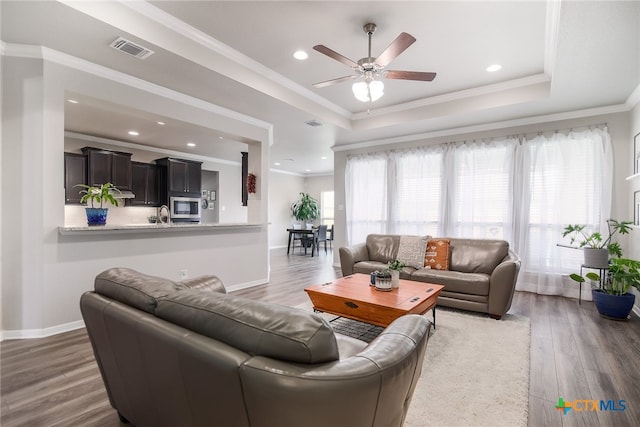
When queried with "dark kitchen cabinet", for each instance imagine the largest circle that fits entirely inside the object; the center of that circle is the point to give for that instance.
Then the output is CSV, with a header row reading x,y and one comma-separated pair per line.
x,y
144,184
75,172
181,176
108,166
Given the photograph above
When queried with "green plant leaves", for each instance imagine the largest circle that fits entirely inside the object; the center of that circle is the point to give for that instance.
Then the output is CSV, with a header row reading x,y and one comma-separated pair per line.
x,y
306,208
101,195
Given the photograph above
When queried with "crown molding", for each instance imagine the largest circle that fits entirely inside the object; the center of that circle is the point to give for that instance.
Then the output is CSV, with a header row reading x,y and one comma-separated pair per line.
x,y
456,96
634,98
569,115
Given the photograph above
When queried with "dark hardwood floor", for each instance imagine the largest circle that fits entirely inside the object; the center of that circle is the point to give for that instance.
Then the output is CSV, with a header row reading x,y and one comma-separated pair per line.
x,y
575,354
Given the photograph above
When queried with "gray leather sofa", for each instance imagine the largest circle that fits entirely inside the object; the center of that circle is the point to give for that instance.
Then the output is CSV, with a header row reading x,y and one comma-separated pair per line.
x,y
188,354
481,277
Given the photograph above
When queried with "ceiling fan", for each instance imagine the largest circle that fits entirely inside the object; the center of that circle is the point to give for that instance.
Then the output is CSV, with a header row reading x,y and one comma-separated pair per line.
x,y
371,69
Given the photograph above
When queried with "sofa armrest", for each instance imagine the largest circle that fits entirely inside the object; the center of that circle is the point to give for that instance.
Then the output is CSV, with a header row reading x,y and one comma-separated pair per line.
x,y
370,388
502,285
204,283
349,255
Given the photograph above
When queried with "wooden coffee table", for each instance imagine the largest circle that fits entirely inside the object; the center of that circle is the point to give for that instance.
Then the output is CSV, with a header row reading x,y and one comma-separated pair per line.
x,y
354,297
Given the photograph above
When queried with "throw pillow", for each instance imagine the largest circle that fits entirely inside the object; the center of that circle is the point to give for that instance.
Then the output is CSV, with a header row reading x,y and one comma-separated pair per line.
x,y
437,256
411,250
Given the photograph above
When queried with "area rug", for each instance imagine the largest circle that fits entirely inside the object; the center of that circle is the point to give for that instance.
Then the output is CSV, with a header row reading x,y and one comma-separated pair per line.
x,y
475,372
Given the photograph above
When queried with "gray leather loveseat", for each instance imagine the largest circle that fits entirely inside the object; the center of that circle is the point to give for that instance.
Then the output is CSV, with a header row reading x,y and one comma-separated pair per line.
x,y
188,354
481,275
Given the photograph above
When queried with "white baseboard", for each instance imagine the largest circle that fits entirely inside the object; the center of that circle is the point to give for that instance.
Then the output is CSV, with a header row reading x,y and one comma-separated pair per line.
x,y
246,285
41,333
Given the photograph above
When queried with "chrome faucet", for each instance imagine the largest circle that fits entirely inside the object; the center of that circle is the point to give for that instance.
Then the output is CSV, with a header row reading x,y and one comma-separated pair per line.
x,y
159,216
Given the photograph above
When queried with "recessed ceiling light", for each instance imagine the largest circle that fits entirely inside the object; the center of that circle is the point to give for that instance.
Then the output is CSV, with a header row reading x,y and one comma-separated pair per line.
x,y
191,144
277,163
161,123
323,158
73,101
300,55
133,133
494,67
220,137
307,170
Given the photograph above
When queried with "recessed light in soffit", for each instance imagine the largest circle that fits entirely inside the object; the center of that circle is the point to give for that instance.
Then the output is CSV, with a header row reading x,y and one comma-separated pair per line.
x,y
313,123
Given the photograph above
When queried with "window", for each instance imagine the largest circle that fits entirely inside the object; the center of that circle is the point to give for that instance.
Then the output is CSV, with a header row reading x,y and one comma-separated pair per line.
x,y
482,204
522,191
366,196
326,208
419,193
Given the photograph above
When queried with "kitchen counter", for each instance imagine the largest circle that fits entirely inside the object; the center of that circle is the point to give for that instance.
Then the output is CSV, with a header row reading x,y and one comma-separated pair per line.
x,y
153,228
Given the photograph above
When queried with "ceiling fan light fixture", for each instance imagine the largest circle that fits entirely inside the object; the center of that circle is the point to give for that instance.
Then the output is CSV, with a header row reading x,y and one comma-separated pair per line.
x,y
368,91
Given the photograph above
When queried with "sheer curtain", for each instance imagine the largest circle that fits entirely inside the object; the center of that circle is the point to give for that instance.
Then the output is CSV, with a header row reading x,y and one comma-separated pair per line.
x,y
481,190
567,179
366,180
523,190
419,191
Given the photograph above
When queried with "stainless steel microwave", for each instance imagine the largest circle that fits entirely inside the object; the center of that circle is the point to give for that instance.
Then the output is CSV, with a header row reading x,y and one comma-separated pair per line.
x,y
185,208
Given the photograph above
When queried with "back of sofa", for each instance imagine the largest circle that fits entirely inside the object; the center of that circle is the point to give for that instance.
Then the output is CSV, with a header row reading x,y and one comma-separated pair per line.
x,y
382,247
205,358
466,255
477,255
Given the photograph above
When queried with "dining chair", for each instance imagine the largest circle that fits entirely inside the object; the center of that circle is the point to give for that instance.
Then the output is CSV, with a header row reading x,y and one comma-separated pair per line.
x,y
330,237
297,236
322,237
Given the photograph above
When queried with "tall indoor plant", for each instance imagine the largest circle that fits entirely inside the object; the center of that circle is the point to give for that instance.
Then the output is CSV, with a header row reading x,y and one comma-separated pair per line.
x,y
98,195
612,297
306,208
596,247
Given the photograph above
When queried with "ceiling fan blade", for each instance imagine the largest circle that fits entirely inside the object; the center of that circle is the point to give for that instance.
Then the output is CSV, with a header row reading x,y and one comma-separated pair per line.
x,y
409,75
335,55
399,45
334,81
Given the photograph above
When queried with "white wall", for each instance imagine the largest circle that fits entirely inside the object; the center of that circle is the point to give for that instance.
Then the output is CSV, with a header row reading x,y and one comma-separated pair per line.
x,y
45,273
284,190
315,185
633,185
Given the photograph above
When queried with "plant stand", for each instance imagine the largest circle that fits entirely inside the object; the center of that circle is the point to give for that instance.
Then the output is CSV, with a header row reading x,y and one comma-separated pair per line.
x,y
602,272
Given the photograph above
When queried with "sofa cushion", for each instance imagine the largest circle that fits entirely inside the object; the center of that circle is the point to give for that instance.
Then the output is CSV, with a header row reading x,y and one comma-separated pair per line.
x,y
477,255
255,327
411,250
437,254
134,288
454,281
382,247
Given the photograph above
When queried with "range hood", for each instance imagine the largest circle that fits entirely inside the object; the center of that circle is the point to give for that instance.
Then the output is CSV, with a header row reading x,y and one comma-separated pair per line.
x,y
122,194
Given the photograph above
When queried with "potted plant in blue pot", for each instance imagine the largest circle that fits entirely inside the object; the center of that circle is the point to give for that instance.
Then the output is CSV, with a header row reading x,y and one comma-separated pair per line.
x,y
98,195
613,299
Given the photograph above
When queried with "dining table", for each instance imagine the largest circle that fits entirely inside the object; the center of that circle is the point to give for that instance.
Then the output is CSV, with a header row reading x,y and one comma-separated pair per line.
x,y
313,232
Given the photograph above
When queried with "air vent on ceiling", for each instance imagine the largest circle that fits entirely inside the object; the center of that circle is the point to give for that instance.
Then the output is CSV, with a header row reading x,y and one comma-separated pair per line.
x,y
131,48
314,123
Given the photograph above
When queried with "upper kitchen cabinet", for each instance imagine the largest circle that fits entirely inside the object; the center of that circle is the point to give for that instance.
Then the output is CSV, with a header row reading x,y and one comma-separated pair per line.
x,y
181,176
75,172
108,166
144,184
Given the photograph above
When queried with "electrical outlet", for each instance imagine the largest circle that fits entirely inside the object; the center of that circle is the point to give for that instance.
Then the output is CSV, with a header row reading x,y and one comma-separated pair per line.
x,y
184,274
